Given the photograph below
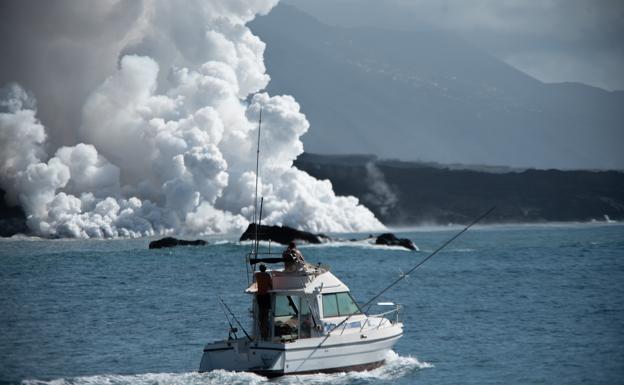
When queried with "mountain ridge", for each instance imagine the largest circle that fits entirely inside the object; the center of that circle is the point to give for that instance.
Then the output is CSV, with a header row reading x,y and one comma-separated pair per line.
x,y
429,95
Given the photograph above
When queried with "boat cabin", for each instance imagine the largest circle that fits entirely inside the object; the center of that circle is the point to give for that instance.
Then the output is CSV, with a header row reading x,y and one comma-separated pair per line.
x,y
305,304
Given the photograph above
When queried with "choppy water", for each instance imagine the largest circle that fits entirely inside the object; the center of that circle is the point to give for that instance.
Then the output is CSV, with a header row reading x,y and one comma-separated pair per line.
x,y
502,305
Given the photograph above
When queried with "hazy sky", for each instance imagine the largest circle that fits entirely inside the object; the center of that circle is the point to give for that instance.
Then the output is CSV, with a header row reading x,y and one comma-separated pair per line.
x,y
552,40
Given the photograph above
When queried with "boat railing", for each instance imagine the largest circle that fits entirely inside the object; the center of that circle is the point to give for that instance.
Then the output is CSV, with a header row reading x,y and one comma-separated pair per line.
x,y
383,320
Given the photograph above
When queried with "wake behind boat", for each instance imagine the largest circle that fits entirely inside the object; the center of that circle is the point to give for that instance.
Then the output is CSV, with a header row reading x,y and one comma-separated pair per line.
x,y
312,325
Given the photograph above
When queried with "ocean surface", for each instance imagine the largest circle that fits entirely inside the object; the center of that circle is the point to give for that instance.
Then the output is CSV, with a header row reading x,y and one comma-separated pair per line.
x,y
501,305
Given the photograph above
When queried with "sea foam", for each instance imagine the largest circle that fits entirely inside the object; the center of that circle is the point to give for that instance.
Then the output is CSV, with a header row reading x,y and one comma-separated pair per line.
x,y
396,366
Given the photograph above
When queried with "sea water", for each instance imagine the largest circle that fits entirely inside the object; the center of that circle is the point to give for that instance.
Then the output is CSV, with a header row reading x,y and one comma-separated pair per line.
x,y
501,305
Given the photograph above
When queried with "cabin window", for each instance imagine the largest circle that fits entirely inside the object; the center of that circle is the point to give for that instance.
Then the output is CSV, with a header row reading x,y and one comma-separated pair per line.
x,y
330,306
293,317
286,321
339,304
346,304
285,305
305,331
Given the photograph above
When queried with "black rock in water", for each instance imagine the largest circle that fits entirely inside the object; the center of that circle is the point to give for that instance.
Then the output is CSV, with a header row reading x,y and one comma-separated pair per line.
x,y
390,239
282,234
172,242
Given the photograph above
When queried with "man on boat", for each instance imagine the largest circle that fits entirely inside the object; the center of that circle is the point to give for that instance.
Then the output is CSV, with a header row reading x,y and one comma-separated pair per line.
x,y
293,259
264,284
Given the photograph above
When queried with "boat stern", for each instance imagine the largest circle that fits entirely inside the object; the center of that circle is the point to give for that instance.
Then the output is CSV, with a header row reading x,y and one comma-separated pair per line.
x,y
242,355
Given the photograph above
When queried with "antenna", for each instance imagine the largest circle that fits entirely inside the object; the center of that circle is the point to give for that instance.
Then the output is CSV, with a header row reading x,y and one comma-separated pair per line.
x,y
259,223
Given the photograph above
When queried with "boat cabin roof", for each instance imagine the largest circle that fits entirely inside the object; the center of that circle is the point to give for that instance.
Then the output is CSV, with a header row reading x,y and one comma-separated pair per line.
x,y
305,281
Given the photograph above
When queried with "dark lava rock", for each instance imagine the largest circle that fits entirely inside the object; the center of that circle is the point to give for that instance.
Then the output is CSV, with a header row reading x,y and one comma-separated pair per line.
x,y
282,234
390,239
172,242
12,219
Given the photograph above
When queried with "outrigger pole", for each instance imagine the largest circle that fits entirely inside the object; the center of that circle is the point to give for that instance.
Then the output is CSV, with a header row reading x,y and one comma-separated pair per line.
x,y
255,221
479,219
255,216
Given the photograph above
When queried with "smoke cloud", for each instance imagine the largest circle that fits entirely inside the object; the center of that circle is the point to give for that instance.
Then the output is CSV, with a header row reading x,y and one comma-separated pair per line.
x,y
380,193
167,141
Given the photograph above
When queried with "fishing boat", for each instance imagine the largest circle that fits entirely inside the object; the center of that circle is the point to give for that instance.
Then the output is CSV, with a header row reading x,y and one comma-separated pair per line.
x,y
314,326
307,322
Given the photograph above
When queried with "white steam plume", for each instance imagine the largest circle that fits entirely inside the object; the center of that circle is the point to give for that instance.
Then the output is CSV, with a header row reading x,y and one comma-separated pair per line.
x,y
380,192
169,139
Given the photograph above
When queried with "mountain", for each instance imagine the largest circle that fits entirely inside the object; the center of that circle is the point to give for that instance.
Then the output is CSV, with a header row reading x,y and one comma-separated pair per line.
x,y
430,95
411,193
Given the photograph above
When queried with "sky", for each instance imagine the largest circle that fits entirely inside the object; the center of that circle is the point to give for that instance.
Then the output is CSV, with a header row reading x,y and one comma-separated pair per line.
x,y
551,40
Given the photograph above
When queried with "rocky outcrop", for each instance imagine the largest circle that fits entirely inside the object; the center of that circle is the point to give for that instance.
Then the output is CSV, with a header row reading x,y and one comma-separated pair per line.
x,y
389,239
282,234
285,235
173,242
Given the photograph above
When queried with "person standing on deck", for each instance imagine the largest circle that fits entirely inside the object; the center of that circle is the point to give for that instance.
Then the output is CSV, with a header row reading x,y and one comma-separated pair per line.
x,y
264,284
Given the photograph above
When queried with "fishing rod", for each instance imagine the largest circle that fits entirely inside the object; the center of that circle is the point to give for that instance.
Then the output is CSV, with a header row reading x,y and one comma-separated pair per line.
x,y
232,328
403,276
235,319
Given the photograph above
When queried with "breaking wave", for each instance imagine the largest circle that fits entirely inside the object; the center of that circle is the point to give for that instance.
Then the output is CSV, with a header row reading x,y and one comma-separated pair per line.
x,y
365,244
396,366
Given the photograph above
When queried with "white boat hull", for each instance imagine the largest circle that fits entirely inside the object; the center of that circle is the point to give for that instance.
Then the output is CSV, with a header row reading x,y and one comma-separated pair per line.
x,y
337,353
